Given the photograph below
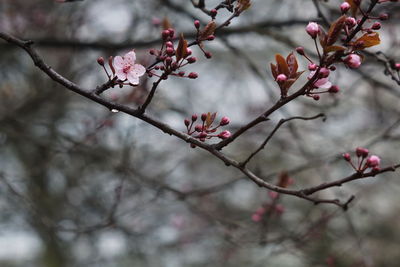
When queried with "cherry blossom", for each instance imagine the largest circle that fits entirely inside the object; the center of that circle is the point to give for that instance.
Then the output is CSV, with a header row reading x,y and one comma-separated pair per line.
x,y
312,29
126,68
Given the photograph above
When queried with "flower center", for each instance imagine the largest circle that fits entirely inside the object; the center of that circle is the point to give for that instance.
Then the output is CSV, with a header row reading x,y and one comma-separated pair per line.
x,y
126,68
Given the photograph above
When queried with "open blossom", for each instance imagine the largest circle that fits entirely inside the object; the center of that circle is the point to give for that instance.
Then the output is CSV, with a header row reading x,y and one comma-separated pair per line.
x,y
320,83
312,29
353,61
126,68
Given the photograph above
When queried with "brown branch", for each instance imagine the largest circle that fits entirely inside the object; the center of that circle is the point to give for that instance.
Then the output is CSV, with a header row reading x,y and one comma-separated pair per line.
x,y
280,123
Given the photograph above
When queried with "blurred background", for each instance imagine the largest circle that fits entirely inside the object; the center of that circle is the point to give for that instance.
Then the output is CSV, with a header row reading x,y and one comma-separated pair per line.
x,y
82,186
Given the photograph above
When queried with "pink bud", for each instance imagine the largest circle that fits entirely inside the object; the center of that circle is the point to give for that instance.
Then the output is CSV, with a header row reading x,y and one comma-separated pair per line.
x,y
281,78
187,122
353,61
316,97
312,29
383,16
210,37
256,217
351,22
208,55
224,134
188,51
224,121
100,60
362,152
280,208
334,89
376,26
373,161
193,75
181,73
197,24
165,34
198,128
194,117
213,12
191,60
300,50
312,67
202,135
397,66
260,210
347,157
344,7
203,116
324,73
169,44
168,61
273,194
171,32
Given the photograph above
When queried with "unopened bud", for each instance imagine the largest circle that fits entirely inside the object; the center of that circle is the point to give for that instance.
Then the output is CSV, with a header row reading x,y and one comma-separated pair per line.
x,y
194,117
187,122
300,50
165,34
100,61
316,97
208,55
347,157
191,60
383,16
362,152
210,37
213,13
312,66
203,116
376,26
224,121
344,7
281,78
333,89
224,134
193,75
197,24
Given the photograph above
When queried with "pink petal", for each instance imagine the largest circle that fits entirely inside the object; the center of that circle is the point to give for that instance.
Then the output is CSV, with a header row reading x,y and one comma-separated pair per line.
x,y
118,62
130,58
120,74
138,70
326,85
133,79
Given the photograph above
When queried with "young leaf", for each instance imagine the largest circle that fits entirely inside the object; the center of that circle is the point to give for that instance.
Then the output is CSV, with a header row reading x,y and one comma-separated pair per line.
x,y
322,37
181,51
292,64
353,7
282,65
208,30
274,70
166,24
368,40
334,48
335,30
210,119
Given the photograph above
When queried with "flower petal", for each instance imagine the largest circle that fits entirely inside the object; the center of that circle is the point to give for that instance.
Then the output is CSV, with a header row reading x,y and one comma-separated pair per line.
x,y
138,70
120,74
326,85
130,58
118,62
132,78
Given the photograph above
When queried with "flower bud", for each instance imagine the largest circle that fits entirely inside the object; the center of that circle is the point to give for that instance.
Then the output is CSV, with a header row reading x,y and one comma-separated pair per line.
x,y
347,157
193,75
100,61
181,73
323,73
397,66
194,117
168,61
224,121
198,128
224,134
187,122
362,152
171,32
344,7
312,29
333,89
383,16
152,51
203,116
256,217
208,55
312,66
281,78
213,13
300,50
197,24
169,44
351,22
191,60
376,26
210,37
316,97
202,135
165,34
373,161
353,61
188,51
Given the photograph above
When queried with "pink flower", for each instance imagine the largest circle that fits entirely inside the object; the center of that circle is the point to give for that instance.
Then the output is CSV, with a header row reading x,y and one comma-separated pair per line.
x,y
126,68
353,61
320,83
373,161
312,29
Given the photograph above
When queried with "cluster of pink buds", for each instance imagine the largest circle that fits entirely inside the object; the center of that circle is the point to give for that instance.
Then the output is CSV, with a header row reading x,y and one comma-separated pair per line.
x,y
170,58
206,129
364,161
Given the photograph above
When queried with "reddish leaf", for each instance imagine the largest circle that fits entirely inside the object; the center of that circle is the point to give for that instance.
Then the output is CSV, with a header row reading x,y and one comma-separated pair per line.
x,y
335,30
284,180
166,24
274,70
292,64
208,30
210,119
367,40
334,48
353,7
181,51
322,37
110,63
282,65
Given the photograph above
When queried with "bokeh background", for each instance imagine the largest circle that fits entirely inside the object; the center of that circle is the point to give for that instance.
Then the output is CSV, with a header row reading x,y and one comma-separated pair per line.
x,y
82,186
